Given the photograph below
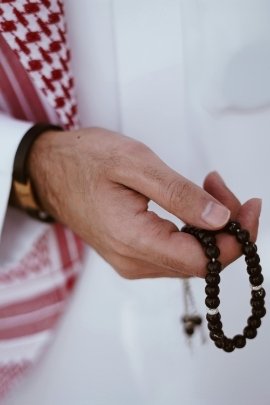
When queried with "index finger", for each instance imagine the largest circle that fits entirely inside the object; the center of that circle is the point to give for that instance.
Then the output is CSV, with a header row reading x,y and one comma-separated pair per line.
x,y
146,173
182,253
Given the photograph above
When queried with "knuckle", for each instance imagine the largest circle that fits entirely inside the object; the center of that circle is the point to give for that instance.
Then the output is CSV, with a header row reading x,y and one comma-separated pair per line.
x,y
132,147
154,230
122,156
112,161
179,194
161,229
154,174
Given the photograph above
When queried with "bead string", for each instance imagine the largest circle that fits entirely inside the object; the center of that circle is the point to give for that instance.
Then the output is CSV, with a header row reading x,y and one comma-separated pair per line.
x,y
214,267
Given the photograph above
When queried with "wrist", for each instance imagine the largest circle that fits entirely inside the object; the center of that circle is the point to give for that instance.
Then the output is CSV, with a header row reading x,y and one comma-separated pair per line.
x,y
43,168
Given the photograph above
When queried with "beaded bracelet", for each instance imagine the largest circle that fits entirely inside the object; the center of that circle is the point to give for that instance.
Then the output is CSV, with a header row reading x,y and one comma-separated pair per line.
x,y
249,249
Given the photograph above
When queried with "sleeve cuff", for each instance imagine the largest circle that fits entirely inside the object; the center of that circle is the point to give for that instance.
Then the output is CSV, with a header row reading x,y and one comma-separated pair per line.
x,y
11,133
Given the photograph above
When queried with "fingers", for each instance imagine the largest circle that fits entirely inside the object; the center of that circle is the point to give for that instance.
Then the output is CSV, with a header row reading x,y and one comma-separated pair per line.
x,y
156,242
133,269
160,250
150,176
162,246
248,217
214,185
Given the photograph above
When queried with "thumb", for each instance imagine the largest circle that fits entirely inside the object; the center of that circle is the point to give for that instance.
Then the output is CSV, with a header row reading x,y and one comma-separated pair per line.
x,y
150,176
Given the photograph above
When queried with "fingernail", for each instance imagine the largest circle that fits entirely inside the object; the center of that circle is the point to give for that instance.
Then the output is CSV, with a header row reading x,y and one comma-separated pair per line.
x,y
216,215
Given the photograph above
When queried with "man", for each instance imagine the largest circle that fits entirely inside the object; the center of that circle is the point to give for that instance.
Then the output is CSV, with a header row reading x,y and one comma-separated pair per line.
x,y
99,183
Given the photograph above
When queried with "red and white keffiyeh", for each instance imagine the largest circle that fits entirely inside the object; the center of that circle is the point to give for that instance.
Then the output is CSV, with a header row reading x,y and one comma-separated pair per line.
x,y
36,85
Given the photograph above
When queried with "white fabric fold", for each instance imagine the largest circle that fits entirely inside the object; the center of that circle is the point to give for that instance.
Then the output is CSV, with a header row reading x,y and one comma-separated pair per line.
x,y
15,130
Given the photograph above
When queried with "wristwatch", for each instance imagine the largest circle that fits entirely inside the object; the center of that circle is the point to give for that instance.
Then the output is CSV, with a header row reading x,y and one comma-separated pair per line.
x,y
23,193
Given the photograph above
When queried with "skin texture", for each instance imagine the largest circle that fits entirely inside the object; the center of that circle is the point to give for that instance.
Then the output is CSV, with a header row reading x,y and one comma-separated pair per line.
x,y
99,184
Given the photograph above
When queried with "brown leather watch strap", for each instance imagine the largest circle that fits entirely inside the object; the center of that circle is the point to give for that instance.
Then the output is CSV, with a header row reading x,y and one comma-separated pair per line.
x,y
22,188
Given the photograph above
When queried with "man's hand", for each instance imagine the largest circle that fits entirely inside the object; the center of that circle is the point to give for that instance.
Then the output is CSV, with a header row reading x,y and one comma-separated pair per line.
x,y
99,184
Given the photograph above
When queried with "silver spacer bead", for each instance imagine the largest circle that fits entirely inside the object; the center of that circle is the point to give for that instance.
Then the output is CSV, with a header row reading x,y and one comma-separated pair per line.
x,y
213,260
256,287
238,230
213,311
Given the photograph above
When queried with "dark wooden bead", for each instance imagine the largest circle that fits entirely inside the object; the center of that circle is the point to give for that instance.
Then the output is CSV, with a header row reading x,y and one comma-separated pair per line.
x,y
256,280
232,227
213,318
212,302
249,332
214,267
196,232
254,322
185,228
212,291
253,261
258,294
242,236
193,231
212,252
208,239
259,312
228,345
212,279
219,343
214,327
201,234
254,271
249,249
216,335
257,302
239,341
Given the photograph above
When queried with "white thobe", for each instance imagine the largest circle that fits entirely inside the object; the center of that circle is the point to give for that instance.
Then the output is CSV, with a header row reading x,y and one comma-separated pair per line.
x,y
190,78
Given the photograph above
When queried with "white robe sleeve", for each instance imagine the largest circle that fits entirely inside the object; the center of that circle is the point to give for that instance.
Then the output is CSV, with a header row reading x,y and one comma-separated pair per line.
x,y
11,133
